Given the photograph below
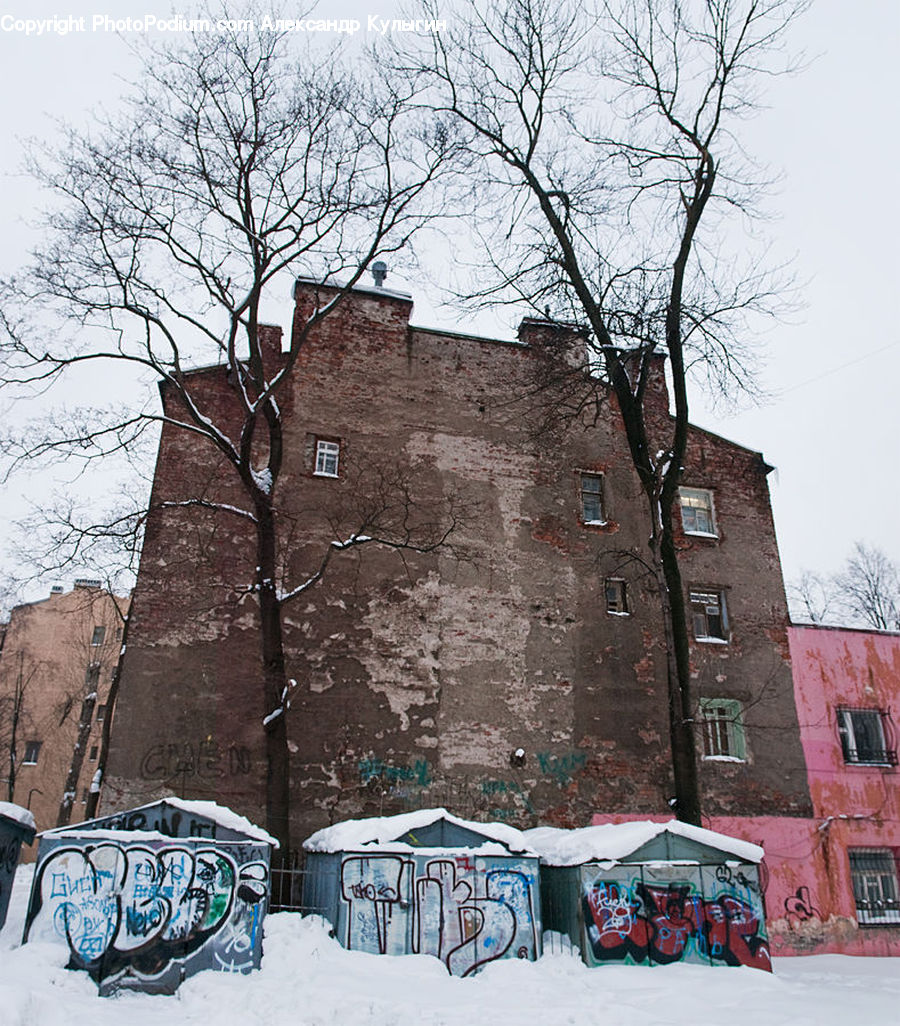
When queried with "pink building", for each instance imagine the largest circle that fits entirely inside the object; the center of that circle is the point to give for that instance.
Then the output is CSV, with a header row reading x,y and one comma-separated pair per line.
x,y
833,881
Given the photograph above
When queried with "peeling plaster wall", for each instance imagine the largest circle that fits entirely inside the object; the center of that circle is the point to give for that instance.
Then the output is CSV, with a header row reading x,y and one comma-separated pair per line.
x,y
419,676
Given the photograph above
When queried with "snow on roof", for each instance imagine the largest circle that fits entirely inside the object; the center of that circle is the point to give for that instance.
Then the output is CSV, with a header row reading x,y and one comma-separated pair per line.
x,y
219,814
380,831
17,814
222,816
611,842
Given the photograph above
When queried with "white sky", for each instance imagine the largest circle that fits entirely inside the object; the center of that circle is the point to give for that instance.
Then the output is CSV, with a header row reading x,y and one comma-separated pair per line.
x,y
833,372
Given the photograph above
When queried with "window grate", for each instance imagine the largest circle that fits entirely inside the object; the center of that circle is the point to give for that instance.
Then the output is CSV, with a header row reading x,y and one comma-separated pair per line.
x,y
874,875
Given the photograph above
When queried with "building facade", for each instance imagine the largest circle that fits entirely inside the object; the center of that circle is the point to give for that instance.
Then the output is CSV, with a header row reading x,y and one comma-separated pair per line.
x,y
832,880
516,672
56,667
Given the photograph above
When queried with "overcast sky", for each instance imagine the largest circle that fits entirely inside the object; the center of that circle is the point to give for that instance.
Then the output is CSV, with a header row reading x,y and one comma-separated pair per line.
x,y
831,424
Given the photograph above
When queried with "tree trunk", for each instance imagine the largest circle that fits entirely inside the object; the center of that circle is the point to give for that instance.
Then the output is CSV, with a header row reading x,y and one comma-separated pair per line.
x,y
97,781
275,684
678,672
64,815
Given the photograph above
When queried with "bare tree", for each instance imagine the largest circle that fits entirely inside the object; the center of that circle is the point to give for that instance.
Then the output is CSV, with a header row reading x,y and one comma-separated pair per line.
x,y
866,592
605,153
813,598
869,588
234,162
13,717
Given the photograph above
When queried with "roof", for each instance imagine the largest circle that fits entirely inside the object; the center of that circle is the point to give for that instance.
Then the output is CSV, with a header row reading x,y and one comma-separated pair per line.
x,y
392,831
218,814
18,815
614,842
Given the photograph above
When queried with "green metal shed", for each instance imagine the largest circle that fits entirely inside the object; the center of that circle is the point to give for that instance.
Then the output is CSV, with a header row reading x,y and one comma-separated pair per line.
x,y
653,893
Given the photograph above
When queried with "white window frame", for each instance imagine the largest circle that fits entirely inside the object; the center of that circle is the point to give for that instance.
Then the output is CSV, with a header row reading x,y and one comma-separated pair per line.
x,y
876,888
851,733
328,455
708,599
698,495
722,724
618,607
598,494
32,753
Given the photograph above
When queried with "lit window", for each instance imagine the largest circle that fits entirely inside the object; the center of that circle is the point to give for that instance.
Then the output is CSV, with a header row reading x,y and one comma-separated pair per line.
x,y
592,499
616,600
709,616
32,751
863,737
98,635
874,875
327,454
723,729
697,511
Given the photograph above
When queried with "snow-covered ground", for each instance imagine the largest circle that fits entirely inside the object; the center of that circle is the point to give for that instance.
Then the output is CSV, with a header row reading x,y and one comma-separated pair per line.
x,y
307,979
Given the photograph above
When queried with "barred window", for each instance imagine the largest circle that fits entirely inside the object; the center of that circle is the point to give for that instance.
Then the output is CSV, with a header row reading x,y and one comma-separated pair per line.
x,y
864,737
874,875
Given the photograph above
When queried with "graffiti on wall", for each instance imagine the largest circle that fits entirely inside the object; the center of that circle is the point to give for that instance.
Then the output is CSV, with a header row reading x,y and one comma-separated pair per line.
x,y
144,916
465,912
206,758
642,920
799,908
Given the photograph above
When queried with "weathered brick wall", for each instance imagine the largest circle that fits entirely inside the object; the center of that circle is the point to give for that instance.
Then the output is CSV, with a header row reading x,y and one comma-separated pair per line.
x,y
418,676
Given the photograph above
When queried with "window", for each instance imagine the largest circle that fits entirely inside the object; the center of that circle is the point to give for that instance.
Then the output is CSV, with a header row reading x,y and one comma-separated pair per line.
x,y
93,756
92,675
863,737
616,601
98,635
710,618
592,499
101,712
874,875
327,454
697,511
32,751
84,796
723,730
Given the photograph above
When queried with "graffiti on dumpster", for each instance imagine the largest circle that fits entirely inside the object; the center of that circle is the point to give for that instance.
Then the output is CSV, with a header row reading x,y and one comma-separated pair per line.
x,y
137,913
466,913
643,921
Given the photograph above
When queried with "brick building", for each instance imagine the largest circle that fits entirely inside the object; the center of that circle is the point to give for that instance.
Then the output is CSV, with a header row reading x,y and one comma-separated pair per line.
x,y
56,666
517,674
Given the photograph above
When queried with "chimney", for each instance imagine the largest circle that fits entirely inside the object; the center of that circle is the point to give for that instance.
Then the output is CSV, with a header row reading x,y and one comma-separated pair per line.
x,y
270,344
657,390
566,340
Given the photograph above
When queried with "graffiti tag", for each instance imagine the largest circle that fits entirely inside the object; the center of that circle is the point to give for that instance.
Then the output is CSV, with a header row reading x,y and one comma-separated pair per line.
x,y
206,758
464,915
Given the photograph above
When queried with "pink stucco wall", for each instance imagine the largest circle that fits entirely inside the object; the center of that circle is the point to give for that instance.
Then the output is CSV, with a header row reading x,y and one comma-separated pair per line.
x,y
808,891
